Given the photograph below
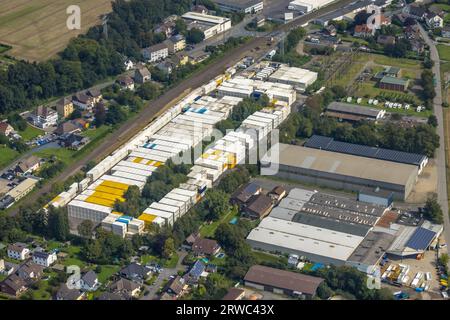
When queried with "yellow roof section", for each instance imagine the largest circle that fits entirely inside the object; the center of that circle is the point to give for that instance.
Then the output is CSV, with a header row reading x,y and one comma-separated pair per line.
x,y
138,160
105,189
107,196
100,201
147,218
116,185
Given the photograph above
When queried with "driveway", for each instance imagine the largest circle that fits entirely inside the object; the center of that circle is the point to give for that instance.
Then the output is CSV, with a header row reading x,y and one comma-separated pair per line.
x,y
440,152
165,274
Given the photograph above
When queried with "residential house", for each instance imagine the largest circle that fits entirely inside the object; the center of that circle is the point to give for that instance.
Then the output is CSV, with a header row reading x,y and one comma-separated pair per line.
x,y
205,247
211,268
177,287
128,65
18,251
64,107
415,11
434,21
362,31
125,289
166,67
385,39
258,206
179,59
446,32
45,259
6,129
125,82
89,281
176,43
95,94
385,21
331,30
190,240
83,101
28,166
13,285
167,27
234,294
243,194
67,127
277,193
260,21
142,75
417,46
110,296
136,272
156,52
167,297
198,57
81,123
64,293
200,9
30,272
196,272
73,141
44,117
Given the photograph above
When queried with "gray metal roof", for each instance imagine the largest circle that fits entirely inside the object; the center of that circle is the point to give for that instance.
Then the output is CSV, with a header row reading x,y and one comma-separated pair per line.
x,y
329,144
353,109
331,224
283,213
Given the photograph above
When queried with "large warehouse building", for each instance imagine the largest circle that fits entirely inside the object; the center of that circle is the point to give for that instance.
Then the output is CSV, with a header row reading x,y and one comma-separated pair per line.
x,y
210,25
245,6
321,227
344,171
307,5
297,77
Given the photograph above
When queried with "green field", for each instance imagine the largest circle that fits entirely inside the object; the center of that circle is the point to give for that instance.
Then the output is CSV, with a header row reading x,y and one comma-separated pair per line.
x,y
30,133
107,272
444,52
7,155
62,154
396,62
208,230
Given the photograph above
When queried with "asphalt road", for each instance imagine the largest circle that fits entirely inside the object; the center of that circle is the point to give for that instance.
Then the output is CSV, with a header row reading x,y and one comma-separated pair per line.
x,y
440,153
158,106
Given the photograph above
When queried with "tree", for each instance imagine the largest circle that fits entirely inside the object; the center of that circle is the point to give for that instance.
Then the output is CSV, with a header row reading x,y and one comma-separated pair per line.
x,y
85,229
76,114
323,291
58,223
169,248
195,36
432,120
100,115
433,211
148,91
216,203
180,26
443,259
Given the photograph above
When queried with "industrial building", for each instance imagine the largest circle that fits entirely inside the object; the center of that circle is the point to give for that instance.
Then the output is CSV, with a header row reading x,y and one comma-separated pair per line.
x,y
245,6
412,242
306,6
210,25
329,144
343,171
393,83
282,281
318,244
297,77
351,112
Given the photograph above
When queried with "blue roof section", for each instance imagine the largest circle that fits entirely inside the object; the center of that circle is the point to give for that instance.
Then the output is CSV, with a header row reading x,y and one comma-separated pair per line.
x,y
329,144
251,188
197,269
421,239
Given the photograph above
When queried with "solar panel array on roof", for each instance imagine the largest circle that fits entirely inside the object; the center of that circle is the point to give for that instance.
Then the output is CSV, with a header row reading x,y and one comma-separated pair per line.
x,y
421,239
328,144
197,269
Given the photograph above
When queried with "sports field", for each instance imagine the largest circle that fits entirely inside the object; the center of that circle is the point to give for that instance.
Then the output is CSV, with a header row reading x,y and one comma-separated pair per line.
x,y
37,30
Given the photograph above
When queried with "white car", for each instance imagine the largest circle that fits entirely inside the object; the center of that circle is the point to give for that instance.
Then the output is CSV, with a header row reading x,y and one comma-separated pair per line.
x,y
444,294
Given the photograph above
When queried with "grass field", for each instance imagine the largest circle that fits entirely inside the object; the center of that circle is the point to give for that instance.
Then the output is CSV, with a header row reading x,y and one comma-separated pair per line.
x,y
444,52
7,155
37,30
30,133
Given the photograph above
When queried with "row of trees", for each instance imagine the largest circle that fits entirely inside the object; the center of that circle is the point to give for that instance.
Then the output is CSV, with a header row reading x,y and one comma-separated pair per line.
x,y
419,139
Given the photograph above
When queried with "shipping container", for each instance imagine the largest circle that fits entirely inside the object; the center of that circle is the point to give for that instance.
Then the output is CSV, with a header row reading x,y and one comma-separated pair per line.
x,y
130,176
139,172
123,180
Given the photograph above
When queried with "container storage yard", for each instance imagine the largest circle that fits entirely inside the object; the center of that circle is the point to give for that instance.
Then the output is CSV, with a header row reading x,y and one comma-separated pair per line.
x,y
181,128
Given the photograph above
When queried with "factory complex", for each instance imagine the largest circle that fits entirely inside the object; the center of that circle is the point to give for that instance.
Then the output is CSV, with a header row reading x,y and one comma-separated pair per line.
x,y
329,229
174,135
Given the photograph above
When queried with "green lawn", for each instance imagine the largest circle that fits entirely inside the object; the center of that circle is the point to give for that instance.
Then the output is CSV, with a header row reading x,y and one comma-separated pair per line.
x,y
208,230
444,52
63,154
107,272
263,256
7,155
348,38
30,133
94,133
397,62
